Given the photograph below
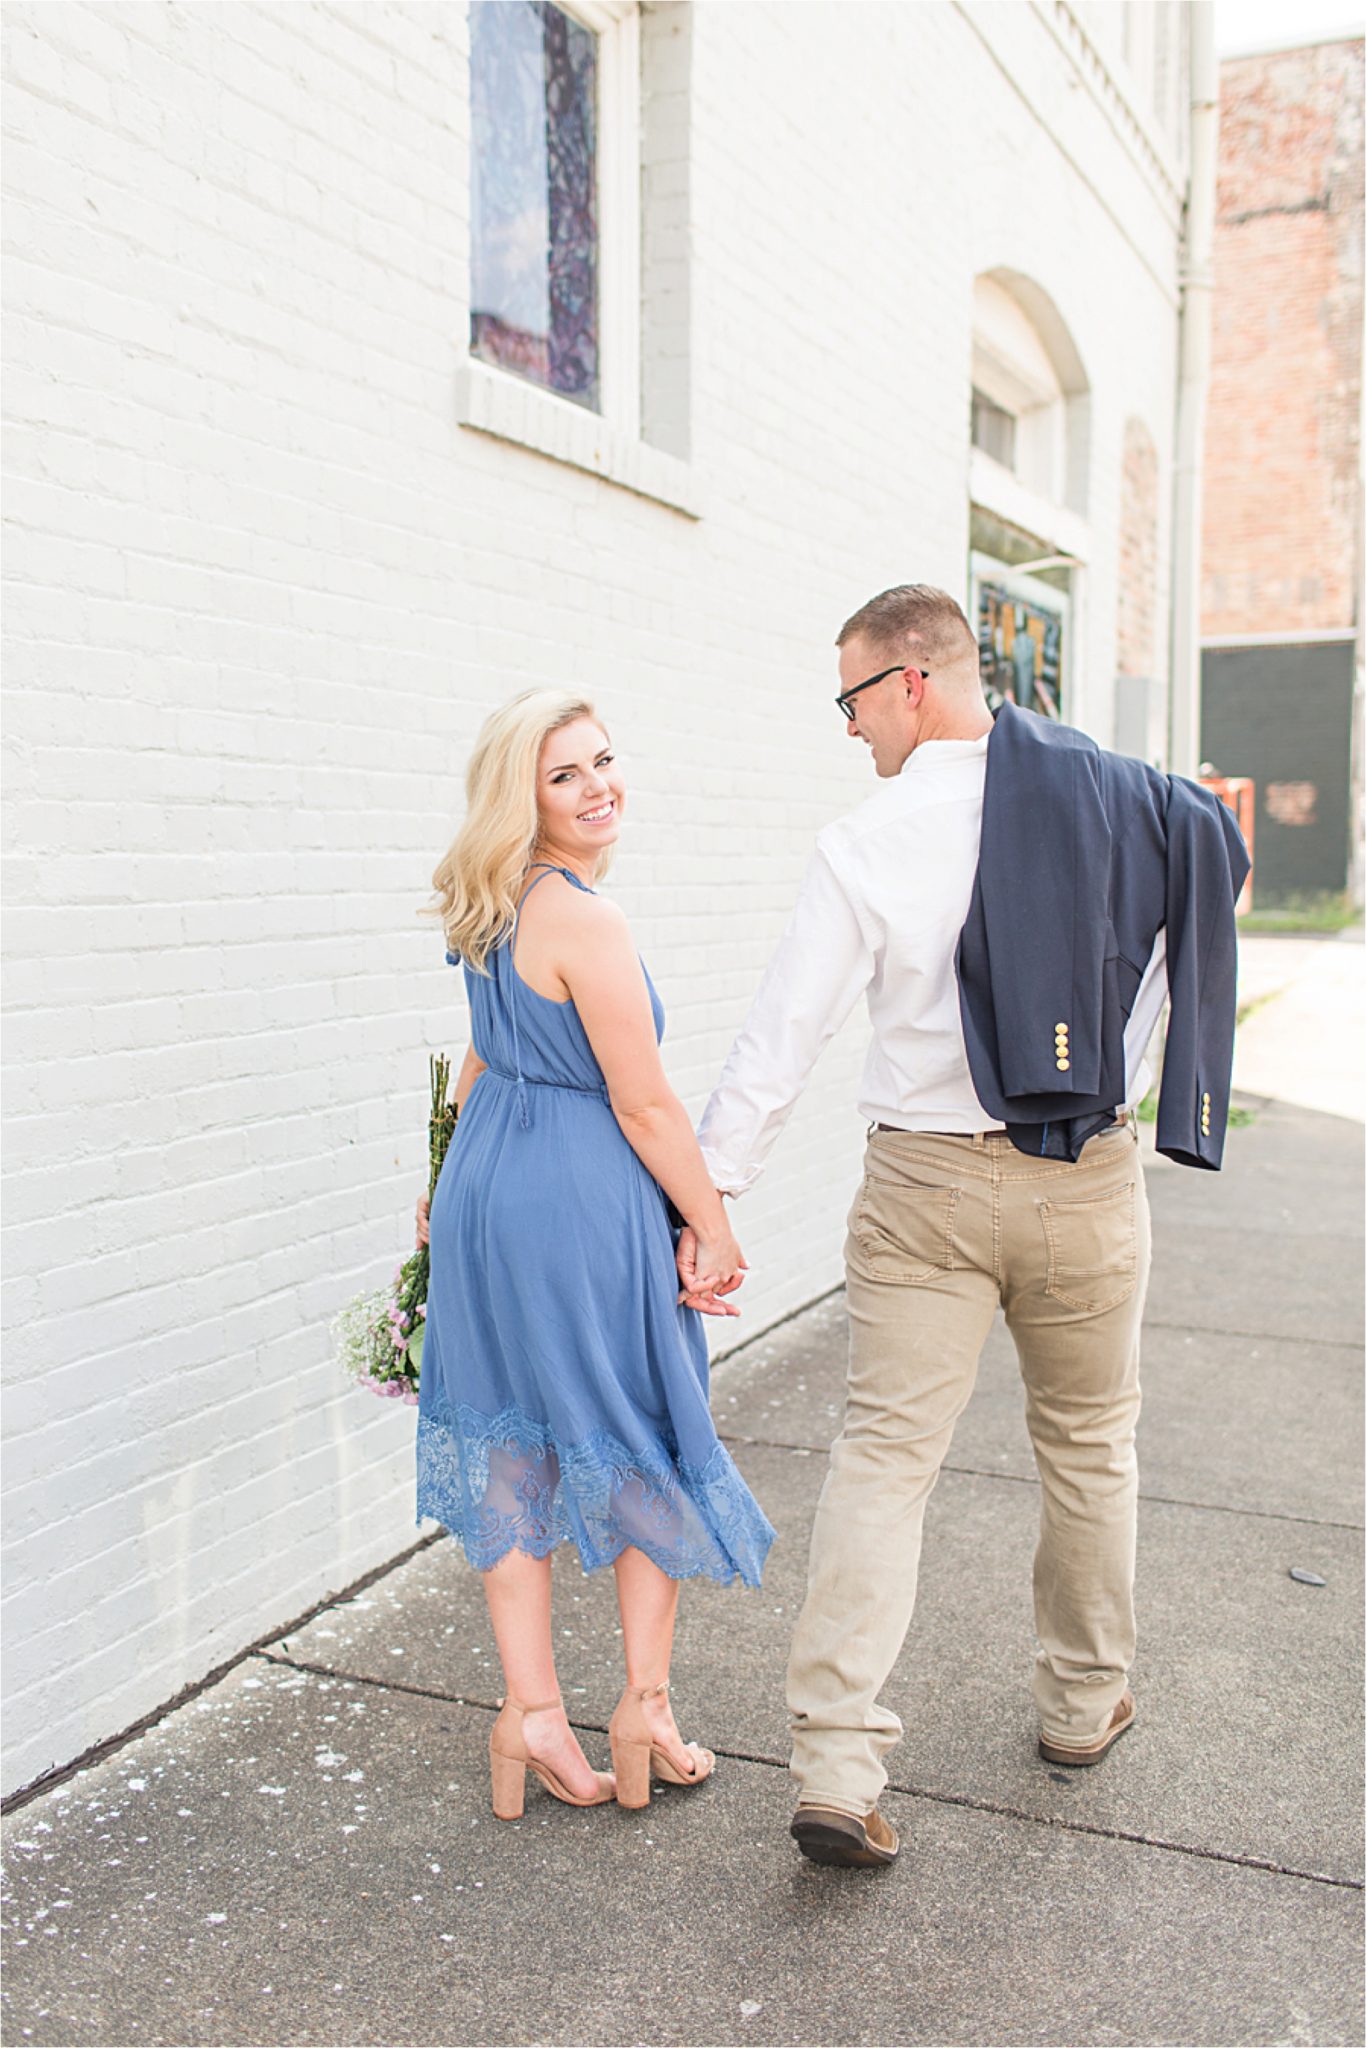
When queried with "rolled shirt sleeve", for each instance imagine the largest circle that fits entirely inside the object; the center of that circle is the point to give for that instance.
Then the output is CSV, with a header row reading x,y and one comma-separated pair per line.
x,y
823,963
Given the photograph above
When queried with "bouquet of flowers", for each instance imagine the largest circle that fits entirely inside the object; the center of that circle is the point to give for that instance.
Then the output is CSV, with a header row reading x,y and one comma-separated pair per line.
x,y
379,1336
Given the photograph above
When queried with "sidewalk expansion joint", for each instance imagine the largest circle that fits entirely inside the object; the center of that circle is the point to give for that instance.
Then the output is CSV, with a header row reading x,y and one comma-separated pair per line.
x,y
421,1692
765,1761
1149,1323
1257,1336
1160,1500
99,1752
790,1315
1140,1840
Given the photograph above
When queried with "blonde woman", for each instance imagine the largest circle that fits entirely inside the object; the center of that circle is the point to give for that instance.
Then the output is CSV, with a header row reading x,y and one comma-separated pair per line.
x,y
564,1379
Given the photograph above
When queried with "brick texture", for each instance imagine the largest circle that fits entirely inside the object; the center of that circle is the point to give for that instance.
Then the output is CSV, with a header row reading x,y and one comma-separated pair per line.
x,y
263,588
1136,651
1282,532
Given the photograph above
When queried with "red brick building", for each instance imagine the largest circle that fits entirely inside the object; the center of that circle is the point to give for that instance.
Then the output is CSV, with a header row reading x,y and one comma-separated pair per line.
x,y
1282,590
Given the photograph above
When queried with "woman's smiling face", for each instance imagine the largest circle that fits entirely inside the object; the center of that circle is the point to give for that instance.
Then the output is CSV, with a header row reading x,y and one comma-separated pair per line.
x,y
580,792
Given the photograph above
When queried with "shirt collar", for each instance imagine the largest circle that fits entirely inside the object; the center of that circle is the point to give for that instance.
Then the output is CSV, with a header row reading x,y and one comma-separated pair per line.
x,y
932,754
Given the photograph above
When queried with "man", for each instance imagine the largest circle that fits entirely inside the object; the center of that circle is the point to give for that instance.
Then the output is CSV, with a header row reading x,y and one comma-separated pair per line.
x,y
1036,1204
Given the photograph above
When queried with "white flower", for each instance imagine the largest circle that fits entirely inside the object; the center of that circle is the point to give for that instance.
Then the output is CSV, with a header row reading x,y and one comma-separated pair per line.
x,y
361,1337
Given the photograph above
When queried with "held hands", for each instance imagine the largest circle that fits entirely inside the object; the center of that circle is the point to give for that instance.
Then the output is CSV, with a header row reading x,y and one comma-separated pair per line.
x,y
708,1269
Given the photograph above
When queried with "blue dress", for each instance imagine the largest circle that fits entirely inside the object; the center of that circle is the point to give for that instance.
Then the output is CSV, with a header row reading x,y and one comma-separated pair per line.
x,y
563,1392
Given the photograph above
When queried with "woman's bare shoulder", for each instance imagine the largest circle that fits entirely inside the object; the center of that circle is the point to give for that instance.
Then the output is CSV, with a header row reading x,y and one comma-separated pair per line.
x,y
578,918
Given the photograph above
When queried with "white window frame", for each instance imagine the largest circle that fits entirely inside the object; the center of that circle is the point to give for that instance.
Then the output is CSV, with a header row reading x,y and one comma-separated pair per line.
x,y
1007,413
606,441
616,23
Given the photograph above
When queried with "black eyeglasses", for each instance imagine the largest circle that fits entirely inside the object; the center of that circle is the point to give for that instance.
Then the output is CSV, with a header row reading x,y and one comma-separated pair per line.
x,y
846,697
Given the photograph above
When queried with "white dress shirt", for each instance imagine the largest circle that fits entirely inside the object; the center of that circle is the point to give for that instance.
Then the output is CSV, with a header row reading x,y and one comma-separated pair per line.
x,y
881,907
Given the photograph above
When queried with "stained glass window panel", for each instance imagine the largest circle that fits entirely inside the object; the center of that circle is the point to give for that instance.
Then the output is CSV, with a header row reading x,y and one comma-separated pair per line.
x,y
534,226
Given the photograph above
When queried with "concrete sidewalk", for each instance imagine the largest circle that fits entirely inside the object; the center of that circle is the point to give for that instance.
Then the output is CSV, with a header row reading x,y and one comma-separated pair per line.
x,y
1303,1004
305,1853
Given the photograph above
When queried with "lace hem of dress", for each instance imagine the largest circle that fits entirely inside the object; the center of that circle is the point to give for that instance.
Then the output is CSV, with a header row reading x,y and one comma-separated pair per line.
x,y
504,1482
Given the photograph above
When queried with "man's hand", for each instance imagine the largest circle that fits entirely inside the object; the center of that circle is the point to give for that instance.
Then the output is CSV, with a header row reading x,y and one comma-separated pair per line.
x,y
707,1301
424,1207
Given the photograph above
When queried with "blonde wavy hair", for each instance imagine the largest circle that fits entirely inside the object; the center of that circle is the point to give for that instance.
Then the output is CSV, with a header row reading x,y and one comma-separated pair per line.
x,y
479,879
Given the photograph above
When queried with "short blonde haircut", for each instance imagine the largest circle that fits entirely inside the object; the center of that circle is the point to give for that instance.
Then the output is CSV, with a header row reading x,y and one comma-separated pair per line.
x,y
479,880
916,620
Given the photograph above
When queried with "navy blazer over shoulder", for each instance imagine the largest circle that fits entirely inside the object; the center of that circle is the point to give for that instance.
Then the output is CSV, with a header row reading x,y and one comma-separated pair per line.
x,y
1085,856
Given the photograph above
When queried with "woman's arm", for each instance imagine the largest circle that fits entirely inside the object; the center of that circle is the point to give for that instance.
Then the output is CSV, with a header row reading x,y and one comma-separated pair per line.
x,y
471,1068
597,961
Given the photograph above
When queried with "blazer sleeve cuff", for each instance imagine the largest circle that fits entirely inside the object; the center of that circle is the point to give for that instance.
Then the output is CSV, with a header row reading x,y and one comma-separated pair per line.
x,y
1193,1135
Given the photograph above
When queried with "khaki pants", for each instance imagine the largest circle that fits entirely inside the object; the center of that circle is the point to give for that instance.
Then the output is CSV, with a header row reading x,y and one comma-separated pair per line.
x,y
944,1229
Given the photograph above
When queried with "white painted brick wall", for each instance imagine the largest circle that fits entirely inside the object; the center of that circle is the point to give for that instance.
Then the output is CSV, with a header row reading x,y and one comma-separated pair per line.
x,y
263,589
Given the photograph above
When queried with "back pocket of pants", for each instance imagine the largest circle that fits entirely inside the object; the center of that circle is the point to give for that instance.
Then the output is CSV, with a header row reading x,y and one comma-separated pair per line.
x,y
1092,1249
903,1234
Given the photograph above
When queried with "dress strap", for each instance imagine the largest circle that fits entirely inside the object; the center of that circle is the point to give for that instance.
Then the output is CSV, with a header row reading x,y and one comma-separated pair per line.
x,y
550,868
546,870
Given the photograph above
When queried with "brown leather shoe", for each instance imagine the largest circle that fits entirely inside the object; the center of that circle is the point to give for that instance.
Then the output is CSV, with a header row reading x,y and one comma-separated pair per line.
x,y
828,1836
1120,1722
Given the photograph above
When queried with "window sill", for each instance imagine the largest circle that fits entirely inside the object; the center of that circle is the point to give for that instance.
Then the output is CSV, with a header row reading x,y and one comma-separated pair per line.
x,y
490,402
998,490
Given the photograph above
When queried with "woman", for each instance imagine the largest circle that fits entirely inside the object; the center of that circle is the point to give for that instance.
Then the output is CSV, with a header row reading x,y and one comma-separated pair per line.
x,y
564,1379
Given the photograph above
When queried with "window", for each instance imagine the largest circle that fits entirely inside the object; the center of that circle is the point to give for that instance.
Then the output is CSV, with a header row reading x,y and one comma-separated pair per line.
x,y
533,195
579,260
1028,487
1022,629
555,198
993,429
